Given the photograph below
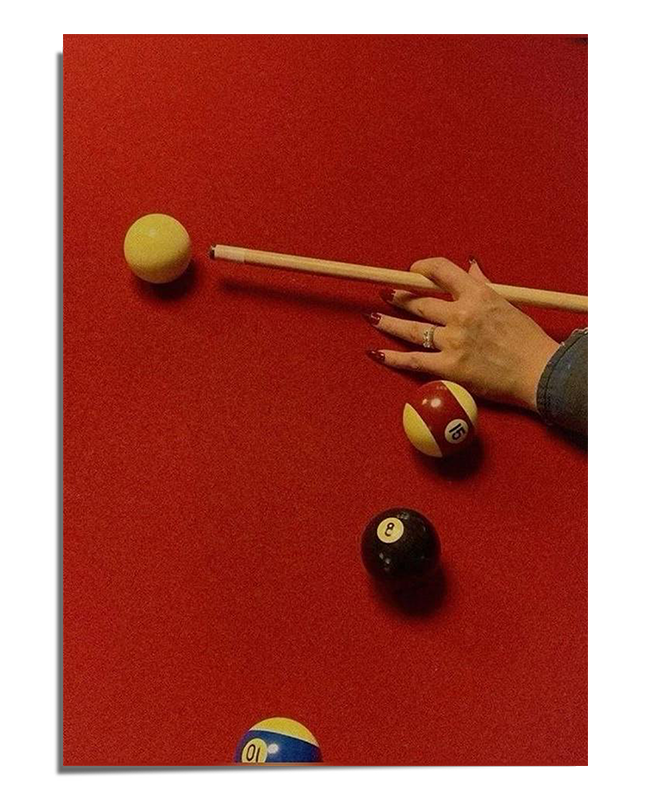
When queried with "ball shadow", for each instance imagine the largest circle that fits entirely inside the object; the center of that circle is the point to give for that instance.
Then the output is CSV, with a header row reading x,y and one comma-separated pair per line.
x,y
420,601
455,467
168,291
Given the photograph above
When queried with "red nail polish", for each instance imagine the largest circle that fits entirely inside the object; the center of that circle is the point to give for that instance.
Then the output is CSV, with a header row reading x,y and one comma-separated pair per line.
x,y
373,318
387,295
376,355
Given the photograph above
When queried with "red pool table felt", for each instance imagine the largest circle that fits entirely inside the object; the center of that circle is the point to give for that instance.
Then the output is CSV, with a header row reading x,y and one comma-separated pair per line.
x,y
226,438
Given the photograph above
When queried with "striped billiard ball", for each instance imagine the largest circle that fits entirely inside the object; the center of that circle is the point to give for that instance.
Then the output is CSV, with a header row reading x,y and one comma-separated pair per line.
x,y
440,418
278,740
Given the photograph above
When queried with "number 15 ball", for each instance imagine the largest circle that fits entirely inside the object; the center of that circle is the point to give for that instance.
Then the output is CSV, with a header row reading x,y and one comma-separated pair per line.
x,y
440,418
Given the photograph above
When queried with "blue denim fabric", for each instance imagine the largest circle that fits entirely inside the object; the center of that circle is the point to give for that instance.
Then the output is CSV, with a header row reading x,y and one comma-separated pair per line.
x,y
562,389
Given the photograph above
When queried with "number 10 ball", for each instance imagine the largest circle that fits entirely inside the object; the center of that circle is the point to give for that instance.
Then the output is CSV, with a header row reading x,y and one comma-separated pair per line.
x,y
278,740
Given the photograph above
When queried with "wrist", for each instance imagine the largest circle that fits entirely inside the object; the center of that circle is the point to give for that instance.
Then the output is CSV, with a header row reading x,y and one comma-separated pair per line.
x,y
527,396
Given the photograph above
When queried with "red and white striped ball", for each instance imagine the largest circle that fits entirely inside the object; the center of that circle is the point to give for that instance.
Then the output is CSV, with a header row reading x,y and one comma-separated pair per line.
x,y
440,418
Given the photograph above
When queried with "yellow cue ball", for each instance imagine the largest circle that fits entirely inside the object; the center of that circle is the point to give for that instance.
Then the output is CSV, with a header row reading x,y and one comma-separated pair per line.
x,y
157,248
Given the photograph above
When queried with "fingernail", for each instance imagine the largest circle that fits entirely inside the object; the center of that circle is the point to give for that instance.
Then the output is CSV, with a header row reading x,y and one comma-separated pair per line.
x,y
472,259
376,355
373,318
388,294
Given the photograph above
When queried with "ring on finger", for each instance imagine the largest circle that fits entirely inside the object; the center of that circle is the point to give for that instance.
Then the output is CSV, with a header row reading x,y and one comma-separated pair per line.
x,y
428,339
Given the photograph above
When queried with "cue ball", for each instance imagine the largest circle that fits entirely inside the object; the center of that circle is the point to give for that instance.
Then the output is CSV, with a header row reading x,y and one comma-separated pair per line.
x,y
157,248
278,740
440,418
400,548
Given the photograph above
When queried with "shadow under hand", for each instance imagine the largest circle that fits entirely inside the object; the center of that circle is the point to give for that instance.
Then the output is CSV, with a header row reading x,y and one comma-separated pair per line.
x,y
168,291
420,601
577,441
292,296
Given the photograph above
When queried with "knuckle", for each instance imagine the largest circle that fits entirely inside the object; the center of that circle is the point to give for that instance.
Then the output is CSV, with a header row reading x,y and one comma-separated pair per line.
x,y
420,266
414,332
416,362
426,266
486,297
457,340
463,316
429,310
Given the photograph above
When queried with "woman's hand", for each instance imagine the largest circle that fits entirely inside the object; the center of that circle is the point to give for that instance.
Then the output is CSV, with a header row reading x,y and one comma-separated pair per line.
x,y
479,339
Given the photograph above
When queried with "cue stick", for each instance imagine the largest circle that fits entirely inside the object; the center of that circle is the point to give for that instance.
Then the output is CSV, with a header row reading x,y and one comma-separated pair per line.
x,y
391,277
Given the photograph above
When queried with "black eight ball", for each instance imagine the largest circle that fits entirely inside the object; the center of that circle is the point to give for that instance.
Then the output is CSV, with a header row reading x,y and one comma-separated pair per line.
x,y
400,548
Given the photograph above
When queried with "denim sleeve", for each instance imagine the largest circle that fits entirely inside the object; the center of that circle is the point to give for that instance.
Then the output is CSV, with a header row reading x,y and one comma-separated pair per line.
x,y
562,389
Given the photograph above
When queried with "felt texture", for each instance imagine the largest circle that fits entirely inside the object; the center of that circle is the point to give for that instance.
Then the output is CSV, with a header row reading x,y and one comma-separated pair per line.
x,y
226,439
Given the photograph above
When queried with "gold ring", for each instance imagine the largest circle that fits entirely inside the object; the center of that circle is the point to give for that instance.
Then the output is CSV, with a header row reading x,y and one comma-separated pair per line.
x,y
429,334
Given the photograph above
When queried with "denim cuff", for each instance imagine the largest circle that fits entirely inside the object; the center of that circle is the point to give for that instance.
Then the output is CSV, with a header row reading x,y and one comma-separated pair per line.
x,y
562,390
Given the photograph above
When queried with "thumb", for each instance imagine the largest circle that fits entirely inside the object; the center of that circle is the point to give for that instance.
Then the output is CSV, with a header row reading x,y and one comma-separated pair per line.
x,y
475,270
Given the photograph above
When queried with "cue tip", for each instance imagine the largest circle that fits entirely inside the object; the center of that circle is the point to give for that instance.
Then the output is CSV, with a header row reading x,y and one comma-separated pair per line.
x,y
212,252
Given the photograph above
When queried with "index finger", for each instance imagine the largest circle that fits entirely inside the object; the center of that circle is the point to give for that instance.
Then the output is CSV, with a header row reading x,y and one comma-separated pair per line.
x,y
447,275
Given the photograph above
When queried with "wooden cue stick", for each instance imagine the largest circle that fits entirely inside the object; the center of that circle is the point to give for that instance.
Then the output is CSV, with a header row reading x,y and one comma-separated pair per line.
x,y
391,277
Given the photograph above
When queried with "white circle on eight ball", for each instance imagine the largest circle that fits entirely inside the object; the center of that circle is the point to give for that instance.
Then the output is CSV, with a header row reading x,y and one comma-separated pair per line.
x,y
390,529
456,431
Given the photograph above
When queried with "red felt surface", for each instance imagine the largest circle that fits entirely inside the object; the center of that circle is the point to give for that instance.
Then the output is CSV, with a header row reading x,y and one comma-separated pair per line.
x,y
226,439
